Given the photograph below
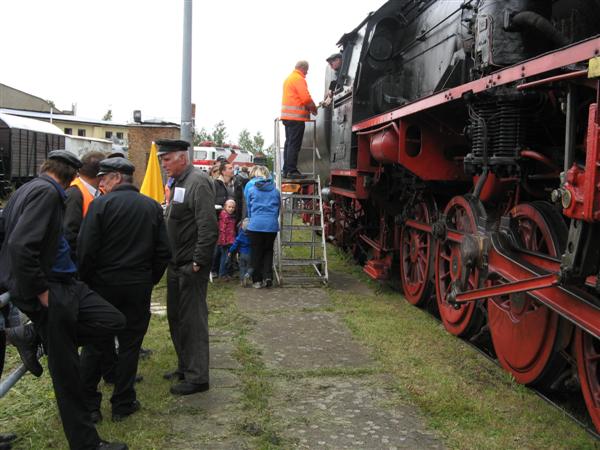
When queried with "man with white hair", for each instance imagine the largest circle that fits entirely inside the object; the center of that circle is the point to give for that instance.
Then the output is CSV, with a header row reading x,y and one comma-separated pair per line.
x,y
296,107
192,230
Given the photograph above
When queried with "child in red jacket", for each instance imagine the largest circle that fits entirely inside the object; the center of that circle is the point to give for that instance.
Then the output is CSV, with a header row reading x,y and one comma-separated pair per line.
x,y
226,236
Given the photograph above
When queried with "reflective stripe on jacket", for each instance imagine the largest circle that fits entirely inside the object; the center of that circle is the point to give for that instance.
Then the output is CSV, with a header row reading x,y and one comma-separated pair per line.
x,y
296,98
85,193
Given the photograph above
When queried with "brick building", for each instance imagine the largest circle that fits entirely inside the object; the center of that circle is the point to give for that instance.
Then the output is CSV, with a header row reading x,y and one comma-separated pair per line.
x,y
141,136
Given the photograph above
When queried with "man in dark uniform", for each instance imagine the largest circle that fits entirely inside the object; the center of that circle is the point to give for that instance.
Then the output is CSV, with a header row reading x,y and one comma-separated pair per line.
x,y
123,252
37,270
335,62
192,229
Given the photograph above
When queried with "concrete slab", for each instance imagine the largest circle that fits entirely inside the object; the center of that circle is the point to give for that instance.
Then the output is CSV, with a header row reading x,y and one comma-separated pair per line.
x,y
221,356
347,413
280,299
308,340
345,282
220,378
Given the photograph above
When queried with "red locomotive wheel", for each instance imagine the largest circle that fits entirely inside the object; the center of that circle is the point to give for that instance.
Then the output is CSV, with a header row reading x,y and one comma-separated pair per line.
x,y
587,349
461,215
526,334
416,258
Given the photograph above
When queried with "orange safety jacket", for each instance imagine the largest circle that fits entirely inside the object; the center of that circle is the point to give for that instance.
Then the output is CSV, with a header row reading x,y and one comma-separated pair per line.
x,y
87,197
296,100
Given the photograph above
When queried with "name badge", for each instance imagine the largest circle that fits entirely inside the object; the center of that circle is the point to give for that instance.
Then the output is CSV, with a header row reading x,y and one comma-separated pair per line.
x,y
179,195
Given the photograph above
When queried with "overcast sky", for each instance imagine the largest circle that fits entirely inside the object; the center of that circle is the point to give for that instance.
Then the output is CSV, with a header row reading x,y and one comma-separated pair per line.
x,y
126,54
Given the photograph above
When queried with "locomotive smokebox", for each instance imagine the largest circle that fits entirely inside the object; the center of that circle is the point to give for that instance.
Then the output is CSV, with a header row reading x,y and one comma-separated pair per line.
x,y
498,43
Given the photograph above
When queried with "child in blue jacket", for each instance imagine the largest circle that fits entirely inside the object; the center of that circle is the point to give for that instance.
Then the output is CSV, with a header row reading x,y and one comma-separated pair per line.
x,y
242,246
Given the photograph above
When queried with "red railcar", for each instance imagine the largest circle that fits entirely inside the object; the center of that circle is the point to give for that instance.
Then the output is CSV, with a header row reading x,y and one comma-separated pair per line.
x,y
464,161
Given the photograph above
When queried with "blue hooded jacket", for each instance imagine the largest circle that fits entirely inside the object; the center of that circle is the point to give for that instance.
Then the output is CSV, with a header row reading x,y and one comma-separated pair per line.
x,y
264,201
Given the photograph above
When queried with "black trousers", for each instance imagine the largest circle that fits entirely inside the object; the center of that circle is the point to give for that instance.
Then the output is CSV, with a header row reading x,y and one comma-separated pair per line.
x,y
294,131
261,255
134,302
187,313
75,316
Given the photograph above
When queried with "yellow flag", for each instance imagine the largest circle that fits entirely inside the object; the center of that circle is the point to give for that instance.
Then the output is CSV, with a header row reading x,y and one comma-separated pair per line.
x,y
152,185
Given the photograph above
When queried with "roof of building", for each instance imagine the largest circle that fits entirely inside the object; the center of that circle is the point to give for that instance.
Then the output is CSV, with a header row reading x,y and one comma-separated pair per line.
x,y
61,117
24,123
40,99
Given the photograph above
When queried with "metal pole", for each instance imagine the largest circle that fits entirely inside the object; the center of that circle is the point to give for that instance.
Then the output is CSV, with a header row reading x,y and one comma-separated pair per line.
x,y
570,127
186,77
11,380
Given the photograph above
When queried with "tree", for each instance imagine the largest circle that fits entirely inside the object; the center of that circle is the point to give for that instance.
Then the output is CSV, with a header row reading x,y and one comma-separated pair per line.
x,y
201,136
108,115
258,141
244,140
219,133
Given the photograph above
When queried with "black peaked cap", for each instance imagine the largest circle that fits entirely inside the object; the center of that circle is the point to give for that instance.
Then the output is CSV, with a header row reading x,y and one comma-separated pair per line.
x,y
66,157
171,145
116,164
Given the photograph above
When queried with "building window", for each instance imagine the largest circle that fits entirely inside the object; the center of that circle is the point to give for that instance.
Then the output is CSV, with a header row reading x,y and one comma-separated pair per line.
x,y
119,135
68,130
108,134
81,132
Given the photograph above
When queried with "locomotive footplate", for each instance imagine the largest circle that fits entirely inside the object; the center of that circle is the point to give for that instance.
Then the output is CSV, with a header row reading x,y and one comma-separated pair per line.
x,y
522,271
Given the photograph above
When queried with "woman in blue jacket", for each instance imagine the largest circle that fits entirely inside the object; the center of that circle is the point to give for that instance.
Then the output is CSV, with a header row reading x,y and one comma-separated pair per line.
x,y
264,201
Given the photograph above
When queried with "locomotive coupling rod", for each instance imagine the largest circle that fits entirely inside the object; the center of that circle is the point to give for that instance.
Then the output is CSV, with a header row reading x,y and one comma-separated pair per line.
x,y
529,284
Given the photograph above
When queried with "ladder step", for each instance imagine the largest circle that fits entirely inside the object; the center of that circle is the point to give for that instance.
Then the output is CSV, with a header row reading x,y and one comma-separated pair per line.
x,y
301,262
302,211
286,195
307,180
300,244
301,227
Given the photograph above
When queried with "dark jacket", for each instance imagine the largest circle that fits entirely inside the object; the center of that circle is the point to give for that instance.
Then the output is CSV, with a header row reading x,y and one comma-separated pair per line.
x,y
33,224
263,206
192,222
123,240
73,216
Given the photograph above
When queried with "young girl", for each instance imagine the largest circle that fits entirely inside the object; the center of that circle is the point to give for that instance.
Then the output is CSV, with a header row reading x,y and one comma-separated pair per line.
x,y
226,235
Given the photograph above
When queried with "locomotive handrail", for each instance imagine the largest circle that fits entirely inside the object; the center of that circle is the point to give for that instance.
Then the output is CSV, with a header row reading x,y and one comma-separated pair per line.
x,y
387,125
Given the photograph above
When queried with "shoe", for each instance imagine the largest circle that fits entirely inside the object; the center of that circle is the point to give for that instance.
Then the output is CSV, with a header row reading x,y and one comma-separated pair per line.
x,y
174,375
247,280
296,175
185,388
24,338
7,438
96,416
139,378
268,283
105,445
257,285
145,353
131,409
5,446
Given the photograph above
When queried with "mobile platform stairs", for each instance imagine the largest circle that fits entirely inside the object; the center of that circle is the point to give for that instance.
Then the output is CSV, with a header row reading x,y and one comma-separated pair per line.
x,y
300,257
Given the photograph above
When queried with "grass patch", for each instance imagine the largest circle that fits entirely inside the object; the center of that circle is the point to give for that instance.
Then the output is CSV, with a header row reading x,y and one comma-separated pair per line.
x,y
468,399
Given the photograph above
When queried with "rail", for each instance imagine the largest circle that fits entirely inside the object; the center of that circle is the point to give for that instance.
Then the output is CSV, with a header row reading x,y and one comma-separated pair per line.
x,y
7,383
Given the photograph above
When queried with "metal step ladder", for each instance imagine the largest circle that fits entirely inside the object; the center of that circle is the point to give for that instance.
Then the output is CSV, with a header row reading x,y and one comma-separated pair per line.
x,y
300,257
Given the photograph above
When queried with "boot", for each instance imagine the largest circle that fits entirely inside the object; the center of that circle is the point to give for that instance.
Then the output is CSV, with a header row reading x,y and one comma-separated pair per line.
x,y
24,338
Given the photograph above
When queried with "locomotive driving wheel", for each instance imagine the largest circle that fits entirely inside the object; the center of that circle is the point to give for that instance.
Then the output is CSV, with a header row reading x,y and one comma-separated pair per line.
x,y
462,215
526,334
587,349
416,256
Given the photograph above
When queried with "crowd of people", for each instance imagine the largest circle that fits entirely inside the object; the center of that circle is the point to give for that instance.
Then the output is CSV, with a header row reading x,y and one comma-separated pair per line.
x,y
82,249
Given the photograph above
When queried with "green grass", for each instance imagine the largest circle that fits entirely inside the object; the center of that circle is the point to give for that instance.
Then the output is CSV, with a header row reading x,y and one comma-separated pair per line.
x,y
468,399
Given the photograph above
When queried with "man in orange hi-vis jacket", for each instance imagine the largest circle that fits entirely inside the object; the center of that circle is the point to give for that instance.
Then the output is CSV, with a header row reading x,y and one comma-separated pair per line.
x,y
296,106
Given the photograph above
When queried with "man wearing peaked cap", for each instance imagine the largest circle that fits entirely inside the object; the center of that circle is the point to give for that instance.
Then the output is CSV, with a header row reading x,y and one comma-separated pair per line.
x,y
171,145
122,251
37,270
335,62
192,228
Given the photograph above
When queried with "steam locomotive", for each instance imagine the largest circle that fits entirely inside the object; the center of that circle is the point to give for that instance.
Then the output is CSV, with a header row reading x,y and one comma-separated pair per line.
x,y
463,158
